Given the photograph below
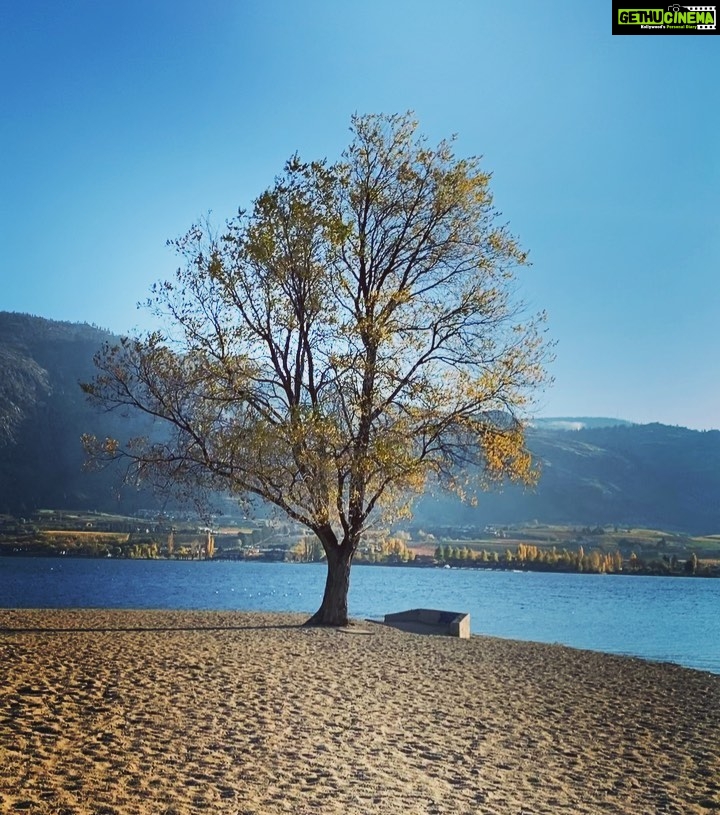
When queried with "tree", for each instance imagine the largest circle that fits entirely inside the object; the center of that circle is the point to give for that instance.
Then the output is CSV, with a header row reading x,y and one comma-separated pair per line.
x,y
209,548
352,338
308,550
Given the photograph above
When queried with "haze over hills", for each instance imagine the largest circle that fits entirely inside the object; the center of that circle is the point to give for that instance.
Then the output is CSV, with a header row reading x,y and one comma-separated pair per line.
x,y
594,470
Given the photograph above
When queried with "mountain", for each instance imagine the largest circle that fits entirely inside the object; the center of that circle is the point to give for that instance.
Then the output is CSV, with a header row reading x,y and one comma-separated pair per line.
x,y
654,475
594,470
605,472
43,414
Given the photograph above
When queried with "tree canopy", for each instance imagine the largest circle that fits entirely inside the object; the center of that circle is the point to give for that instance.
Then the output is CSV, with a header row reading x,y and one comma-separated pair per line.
x,y
350,338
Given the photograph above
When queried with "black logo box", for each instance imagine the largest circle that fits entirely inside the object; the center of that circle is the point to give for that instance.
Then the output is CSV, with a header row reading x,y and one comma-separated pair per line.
x,y
643,28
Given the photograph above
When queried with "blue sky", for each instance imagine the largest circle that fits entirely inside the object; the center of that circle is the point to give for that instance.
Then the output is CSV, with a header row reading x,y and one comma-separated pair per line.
x,y
123,122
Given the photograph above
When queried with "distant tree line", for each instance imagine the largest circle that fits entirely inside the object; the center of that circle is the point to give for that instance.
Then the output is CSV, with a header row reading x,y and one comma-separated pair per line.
x,y
29,539
530,557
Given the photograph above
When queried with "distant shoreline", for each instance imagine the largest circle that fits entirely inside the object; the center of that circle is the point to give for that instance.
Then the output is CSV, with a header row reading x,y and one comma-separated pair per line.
x,y
644,571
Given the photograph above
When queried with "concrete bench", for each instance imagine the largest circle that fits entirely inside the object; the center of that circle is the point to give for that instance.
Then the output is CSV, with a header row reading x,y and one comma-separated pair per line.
x,y
431,621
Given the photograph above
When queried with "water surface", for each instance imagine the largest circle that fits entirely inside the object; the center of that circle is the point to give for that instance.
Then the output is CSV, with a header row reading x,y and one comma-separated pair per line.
x,y
661,618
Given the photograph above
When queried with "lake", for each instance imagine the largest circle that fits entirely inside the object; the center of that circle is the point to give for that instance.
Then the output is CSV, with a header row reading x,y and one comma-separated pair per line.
x,y
670,619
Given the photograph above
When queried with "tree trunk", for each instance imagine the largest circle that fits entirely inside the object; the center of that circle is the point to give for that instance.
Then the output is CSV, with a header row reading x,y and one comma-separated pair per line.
x,y
334,607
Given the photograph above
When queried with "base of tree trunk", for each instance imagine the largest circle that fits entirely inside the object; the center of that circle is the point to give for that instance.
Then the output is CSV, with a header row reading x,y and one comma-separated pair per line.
x,y
318,621
333,611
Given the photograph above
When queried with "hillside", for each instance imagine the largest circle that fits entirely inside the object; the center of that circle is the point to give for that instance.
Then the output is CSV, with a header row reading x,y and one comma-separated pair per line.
x,y
43,413
637,475
594,471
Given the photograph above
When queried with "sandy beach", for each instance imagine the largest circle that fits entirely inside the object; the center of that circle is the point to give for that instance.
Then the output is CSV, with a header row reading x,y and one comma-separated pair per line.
x,y
172,713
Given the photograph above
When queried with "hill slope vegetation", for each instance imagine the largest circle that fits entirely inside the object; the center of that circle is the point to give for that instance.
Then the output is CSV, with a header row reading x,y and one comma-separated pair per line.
x,y
593,471
43,414
634,475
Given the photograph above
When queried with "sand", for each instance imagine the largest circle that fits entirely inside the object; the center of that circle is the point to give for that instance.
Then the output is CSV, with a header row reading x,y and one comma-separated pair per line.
x,y
171,713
